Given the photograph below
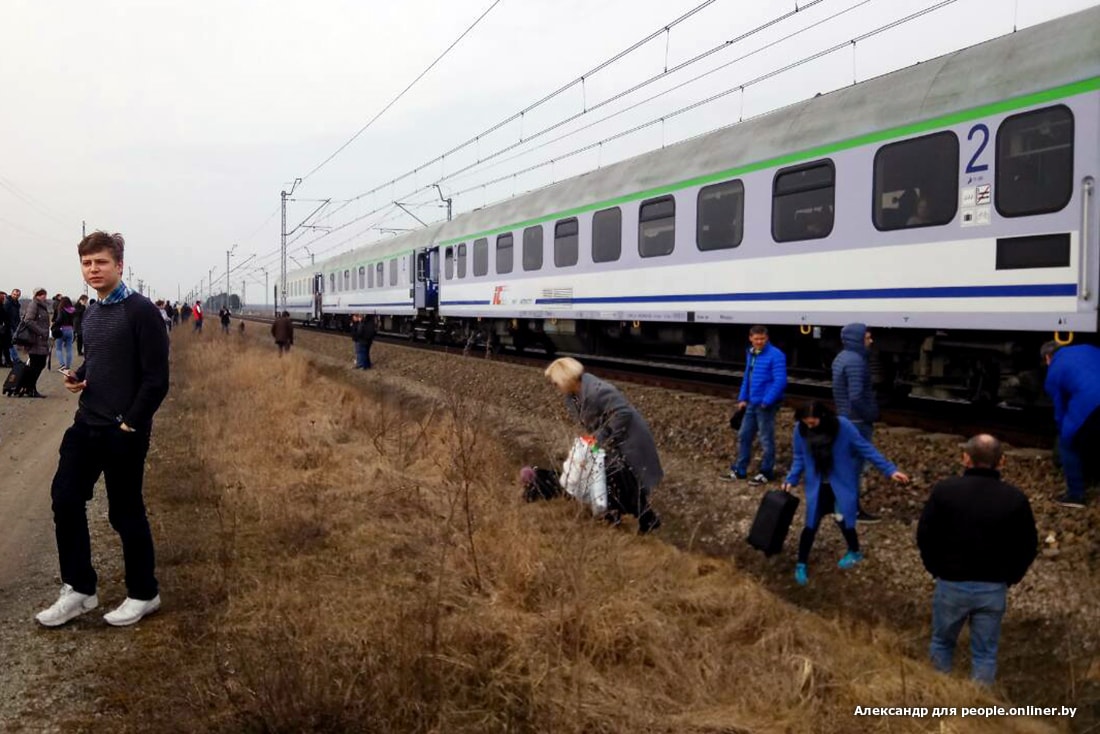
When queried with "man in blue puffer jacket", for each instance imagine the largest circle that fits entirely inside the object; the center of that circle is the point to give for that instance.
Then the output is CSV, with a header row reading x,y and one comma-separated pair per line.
x,y
1073,383
760,397
852,390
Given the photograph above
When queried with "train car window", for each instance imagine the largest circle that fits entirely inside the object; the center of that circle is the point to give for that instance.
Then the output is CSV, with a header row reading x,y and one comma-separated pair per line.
x,y
720,222
504,253
370,277
803,199
412,268
481,257
347,280
460,261
332,282
393,271
380,274
566,234
532,248
916,182
657,227
1034,162
607,235
449,263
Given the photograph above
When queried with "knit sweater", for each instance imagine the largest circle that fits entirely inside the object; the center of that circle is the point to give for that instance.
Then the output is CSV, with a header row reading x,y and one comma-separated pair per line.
x,y
125,363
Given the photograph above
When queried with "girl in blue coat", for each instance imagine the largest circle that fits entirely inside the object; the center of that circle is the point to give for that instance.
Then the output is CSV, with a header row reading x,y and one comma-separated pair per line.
x,y
830,452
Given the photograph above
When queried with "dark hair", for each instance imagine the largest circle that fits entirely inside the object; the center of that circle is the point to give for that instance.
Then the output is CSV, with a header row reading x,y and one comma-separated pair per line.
x,y
758,329
66,302
985,451
819,439
1048,349
100,241
286,314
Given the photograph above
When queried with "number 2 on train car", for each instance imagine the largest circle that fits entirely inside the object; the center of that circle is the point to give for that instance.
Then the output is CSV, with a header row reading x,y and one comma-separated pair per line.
x,y
973,166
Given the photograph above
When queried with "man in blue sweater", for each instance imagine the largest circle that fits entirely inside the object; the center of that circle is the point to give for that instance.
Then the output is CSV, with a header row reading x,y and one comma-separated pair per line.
x,y
1073,383
760,397
121,384
853,392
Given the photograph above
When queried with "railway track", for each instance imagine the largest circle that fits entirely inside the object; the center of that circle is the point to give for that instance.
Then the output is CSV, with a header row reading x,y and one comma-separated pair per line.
x,y
1032,428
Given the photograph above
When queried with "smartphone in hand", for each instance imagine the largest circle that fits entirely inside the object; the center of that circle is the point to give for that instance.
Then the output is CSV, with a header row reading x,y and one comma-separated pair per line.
x,y
68,373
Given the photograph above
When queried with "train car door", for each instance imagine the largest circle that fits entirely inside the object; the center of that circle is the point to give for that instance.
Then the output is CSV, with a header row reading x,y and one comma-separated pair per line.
x,y
426,289
318,294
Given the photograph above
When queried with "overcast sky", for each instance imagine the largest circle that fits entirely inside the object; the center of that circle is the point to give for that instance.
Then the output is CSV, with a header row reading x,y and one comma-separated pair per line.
x,y
178,123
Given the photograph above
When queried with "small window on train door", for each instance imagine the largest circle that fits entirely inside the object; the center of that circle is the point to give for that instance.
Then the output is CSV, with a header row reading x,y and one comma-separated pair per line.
x,y
607,235
380,275
565,243
481,257
370,276
720,221
1034,162
460,260
393,271
362,277
332,282
532,248
657,227
412,268
347,280
505,259
449,263
916,182
803,200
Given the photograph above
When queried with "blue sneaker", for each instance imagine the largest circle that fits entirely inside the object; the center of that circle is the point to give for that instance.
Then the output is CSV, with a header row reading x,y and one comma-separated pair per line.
x,y
850,559
801,577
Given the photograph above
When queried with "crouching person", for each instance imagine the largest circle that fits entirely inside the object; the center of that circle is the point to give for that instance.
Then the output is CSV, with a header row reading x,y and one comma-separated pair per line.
x,y
633,466
121,384
830,452
976,537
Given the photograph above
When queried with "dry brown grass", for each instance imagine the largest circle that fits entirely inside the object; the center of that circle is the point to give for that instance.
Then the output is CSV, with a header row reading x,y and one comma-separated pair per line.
x,y
339,557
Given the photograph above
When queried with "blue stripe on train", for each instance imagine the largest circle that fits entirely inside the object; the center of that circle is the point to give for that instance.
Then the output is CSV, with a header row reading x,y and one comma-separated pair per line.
x,y
961,291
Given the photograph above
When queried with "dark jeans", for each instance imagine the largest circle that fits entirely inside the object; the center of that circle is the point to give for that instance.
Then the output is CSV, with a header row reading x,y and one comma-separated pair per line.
x,y
826,501
757,418
362,355
86,452
983,604
1078,455
80,343
29,382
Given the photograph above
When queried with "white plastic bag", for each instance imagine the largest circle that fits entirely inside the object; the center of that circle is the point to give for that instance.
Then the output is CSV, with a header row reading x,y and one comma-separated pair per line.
x,y
584,476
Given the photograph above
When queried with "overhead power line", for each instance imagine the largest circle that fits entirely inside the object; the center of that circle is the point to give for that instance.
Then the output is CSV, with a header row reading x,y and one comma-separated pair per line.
x,y
401,94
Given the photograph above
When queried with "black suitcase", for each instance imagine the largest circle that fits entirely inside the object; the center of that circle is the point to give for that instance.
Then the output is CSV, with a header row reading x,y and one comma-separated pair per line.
x,y
12,380
773,521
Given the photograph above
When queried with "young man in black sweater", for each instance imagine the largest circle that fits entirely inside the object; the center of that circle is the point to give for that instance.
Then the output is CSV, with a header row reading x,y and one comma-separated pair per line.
x,y
121,383
977,537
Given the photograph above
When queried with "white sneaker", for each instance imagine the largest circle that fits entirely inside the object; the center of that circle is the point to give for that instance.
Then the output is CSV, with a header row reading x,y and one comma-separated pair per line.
x,y
69,605
131,611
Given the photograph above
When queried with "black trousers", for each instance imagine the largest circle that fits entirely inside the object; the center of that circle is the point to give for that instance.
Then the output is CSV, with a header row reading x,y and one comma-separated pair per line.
x,y
86,453
29,382
826,501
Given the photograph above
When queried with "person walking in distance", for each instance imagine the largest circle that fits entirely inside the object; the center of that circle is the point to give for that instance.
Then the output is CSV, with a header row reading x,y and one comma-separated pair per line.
x,y
122,382
1073,384
37,319
14,309
223,317
363,332
62,330
196,315
976,537
282,330
79,308
853,393
760,397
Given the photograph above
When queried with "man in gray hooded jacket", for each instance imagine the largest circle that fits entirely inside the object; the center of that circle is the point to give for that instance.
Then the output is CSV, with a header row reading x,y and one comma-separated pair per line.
x,y
852,390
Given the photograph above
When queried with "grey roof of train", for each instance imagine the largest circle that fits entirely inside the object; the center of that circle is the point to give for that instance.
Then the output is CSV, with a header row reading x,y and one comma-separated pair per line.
x,y
1048,55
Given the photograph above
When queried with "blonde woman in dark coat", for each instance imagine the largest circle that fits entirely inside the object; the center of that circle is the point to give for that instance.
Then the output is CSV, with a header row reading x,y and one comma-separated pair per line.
x,y
37,318
633,465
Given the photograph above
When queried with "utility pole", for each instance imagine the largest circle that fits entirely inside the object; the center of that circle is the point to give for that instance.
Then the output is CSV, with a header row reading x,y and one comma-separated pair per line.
x,y
227,254
282,259
210,285
243,285
266,291
445,201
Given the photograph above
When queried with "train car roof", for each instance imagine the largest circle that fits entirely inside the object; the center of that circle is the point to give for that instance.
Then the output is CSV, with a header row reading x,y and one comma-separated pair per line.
x,y
1043,57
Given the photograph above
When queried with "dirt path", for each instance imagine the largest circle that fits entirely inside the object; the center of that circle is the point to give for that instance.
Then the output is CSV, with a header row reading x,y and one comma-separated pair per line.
x,y
39,669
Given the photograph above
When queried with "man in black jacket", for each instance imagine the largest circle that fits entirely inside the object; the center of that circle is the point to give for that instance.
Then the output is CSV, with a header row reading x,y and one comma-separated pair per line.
x,y
121,384
363,332
5,332
977,537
